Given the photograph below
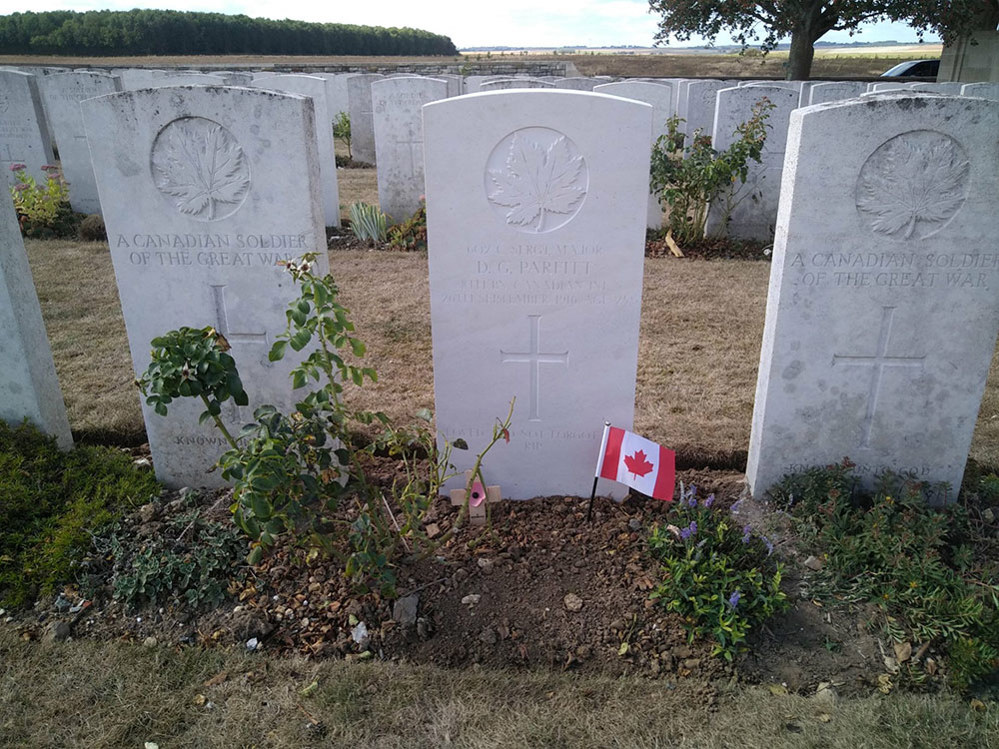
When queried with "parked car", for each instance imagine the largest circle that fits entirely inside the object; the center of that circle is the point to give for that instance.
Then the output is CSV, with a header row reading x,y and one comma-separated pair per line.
x,y
914,68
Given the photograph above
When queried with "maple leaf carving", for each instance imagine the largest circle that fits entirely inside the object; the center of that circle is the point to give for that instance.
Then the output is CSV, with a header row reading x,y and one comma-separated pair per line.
x,y
913,183
637,464
537,180
201,165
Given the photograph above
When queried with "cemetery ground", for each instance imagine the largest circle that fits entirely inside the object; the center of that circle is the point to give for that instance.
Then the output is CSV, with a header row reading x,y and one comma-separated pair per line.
x,y
537,630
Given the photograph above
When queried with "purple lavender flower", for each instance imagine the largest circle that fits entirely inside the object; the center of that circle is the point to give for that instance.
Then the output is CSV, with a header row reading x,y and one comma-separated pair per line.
x,y
734,509
733,600
710,500
17,167
769,543
690,530
747,532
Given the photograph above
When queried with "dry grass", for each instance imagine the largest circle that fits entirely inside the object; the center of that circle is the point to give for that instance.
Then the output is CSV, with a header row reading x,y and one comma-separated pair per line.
x,y
356,185
54,695
698,351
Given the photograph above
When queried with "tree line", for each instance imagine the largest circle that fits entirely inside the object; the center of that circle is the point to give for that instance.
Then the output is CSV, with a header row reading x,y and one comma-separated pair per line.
x,y
165,32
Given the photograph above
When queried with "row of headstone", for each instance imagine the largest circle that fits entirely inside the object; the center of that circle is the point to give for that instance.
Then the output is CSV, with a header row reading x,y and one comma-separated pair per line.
x,y
881,317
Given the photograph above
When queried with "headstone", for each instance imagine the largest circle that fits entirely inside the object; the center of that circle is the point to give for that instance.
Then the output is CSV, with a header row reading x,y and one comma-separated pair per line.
x,y
943,87
236,78
513,83
24,138
887,86
133,79
577,84
983,90
398,120
752,213
170,78
205,191
29,388
455,84
698,108
883,307
820,93
316,89
362,126
660,98
536,222
63,93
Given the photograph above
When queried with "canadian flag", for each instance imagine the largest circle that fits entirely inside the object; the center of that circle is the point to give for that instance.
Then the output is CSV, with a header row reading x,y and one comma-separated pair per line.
x,y
641,464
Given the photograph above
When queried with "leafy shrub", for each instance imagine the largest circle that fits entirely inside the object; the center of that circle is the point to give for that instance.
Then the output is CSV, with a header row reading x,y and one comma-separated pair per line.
x,y
190,560
341,131
367,223
689,177
52,501
43,211
411,234
923,566
294,473
92,228
720,577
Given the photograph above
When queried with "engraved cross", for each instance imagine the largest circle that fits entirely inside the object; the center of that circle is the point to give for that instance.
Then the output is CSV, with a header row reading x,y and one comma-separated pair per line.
x,y
415,144
222,326
7,158
535,357
878,363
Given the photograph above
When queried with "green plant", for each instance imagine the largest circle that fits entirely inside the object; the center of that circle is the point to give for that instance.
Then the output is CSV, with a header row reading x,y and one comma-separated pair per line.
x,y
722,579
690,177
926,567
411,234
300,475
367,223
341,131
190,560
43,210
52,502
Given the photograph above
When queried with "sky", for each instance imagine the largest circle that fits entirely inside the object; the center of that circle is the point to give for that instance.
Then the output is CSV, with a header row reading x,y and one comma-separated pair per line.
x,y
512,23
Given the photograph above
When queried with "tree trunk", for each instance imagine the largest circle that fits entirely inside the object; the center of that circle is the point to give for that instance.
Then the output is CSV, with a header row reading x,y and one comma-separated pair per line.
x,y
799,59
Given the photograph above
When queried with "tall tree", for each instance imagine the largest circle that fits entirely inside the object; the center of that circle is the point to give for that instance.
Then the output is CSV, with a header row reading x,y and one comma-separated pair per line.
x,y
806,21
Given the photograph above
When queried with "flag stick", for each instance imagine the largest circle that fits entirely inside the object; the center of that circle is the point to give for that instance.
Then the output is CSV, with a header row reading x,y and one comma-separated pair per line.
x,y
596,474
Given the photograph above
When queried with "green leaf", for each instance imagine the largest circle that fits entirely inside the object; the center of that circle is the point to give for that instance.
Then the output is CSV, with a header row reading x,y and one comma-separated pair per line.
x,y
277,351
255,555
459,444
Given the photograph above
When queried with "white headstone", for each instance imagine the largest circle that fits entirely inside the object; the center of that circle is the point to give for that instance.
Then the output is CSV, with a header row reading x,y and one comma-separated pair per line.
x,y
24,138
205,190
162,78
362,126
753,212
398,119
698,106
316,89
63,93
826,91
660,98
983,90
536,222
577,84
455,84
943,87
29,388
883,307
514,83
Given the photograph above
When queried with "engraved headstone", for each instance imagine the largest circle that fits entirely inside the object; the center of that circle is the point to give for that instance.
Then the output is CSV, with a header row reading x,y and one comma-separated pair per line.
x,y
983,90
883,306
205,192
29,388
63,93
398,120
697,105
577,83
24,138
316,89
362,125
750,211
514,83
536,224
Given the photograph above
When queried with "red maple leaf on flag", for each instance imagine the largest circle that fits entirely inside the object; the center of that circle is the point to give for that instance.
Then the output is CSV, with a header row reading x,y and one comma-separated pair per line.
x,y
637,463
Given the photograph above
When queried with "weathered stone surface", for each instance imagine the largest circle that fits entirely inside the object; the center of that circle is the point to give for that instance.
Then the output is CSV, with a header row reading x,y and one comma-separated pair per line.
x,y
29,388
362,124
398,120
822,92
24,136
197,241
63,93
536,288
883,308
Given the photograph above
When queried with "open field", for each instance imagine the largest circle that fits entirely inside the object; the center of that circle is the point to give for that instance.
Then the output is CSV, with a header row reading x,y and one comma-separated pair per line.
x,y
52,695
829,62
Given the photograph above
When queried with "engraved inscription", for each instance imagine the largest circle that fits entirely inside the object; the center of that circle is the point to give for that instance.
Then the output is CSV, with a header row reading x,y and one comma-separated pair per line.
x,y
913,184
535,358
878,362
536,180
200,166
